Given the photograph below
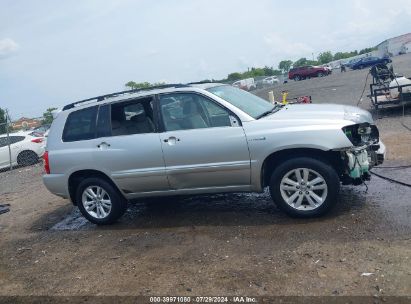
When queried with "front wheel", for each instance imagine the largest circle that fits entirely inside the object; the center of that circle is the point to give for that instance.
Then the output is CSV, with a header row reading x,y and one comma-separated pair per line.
x,y
99,201
304,187
320,74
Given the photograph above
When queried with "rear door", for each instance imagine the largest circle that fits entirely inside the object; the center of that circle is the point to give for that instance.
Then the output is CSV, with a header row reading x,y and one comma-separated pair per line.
x,y
118,140
4,152
204,145
306,71
128,146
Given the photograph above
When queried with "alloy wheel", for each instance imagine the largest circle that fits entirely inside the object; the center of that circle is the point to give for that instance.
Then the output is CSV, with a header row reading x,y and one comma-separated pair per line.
x,y
303,189
96,202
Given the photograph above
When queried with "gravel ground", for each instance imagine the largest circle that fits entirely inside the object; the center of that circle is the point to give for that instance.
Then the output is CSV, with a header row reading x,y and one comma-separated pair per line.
x,y
233,244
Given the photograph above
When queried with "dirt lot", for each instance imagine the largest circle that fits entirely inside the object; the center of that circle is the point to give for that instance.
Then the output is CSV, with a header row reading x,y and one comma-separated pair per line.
x,y
237,244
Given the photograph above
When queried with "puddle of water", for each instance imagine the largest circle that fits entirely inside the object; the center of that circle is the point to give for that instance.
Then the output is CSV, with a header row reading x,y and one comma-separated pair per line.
x,y
73,221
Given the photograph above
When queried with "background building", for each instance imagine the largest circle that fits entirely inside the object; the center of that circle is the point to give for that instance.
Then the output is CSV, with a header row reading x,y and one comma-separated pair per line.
x,y
395,46
24,123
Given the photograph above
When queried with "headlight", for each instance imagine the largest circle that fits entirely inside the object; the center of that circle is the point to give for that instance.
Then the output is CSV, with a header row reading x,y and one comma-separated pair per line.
x,y
360,134
364,132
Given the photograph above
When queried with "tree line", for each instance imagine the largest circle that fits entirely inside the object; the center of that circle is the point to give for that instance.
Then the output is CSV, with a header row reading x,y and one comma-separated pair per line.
x,y
324,58
283,67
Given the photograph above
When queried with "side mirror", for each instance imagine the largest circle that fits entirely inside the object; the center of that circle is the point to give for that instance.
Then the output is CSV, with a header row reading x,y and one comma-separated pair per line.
x,y
234,121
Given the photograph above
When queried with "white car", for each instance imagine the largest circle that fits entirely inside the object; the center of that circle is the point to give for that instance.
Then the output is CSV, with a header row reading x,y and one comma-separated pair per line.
x,y
245,84
26,148
270,80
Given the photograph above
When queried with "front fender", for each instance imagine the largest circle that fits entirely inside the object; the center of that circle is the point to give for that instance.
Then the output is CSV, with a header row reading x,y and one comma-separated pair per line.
x,y
263,142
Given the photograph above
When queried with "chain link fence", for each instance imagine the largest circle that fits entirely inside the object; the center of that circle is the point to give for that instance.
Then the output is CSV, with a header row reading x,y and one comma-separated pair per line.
x,y
19,148
20,162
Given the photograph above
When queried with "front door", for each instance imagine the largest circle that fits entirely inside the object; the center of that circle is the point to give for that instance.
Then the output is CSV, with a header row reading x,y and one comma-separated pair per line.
x,y
204,145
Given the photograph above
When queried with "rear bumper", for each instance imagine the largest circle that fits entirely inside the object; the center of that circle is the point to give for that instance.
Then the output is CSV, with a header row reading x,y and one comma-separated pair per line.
x,y
56,184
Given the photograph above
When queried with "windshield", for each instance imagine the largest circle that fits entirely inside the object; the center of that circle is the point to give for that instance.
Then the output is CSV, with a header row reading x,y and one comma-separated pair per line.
x,y
247,102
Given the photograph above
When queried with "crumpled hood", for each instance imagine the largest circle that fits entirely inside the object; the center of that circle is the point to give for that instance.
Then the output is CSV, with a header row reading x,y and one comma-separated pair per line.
x,y
321,112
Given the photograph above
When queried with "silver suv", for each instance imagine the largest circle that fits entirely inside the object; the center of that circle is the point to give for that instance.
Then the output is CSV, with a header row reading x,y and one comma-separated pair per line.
x,y
206,138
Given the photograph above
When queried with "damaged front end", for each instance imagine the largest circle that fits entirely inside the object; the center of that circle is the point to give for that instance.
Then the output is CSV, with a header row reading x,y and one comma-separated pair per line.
x,y
367,151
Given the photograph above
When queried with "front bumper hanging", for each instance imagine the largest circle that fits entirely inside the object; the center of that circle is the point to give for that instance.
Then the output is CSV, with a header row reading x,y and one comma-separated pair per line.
x,y
359,160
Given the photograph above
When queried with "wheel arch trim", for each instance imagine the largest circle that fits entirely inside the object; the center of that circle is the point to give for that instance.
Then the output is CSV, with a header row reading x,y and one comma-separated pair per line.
x,y
77,176
270,161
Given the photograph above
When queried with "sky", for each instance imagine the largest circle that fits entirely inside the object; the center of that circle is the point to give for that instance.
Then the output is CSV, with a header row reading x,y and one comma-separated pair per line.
x,y
55,52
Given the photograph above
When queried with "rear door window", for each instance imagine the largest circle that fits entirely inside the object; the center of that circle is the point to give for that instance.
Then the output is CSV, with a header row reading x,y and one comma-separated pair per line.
x,y
132,117
16,139
80,125
104,121
4,141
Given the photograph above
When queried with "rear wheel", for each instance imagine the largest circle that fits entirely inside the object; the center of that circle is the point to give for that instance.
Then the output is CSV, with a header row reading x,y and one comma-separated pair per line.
x,y
361,67
297,78
99,201
27,158
304,187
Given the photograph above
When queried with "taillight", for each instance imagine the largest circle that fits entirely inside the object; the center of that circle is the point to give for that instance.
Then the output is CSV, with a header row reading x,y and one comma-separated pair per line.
x,y
46,162
37,140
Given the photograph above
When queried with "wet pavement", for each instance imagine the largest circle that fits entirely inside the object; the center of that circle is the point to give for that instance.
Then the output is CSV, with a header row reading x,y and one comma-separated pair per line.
x,y
358,206
214,244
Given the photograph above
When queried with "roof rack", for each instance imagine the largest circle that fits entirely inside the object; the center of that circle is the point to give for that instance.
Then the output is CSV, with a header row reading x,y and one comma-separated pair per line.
x,y
102,97
201,82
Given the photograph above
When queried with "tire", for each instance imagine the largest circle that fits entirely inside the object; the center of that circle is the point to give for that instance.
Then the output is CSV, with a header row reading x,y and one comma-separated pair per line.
x,y
320,74
304,204
114,204
385,62
297,78
361,67
27,158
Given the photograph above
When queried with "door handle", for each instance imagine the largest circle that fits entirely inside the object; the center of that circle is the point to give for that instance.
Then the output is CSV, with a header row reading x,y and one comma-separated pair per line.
x,y
103,144
171,140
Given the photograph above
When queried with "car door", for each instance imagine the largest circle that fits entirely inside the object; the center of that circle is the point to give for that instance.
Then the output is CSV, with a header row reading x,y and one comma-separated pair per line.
x,y
309,71
132,151
120,141
4,152
17,145
204,145
367,61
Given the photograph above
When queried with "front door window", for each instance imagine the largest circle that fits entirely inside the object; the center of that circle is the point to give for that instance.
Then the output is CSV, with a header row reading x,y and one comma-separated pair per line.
x,y
187,111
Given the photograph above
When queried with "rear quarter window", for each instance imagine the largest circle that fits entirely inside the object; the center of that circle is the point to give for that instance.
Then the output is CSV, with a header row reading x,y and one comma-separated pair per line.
x,y
16,139
80,125
4,141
